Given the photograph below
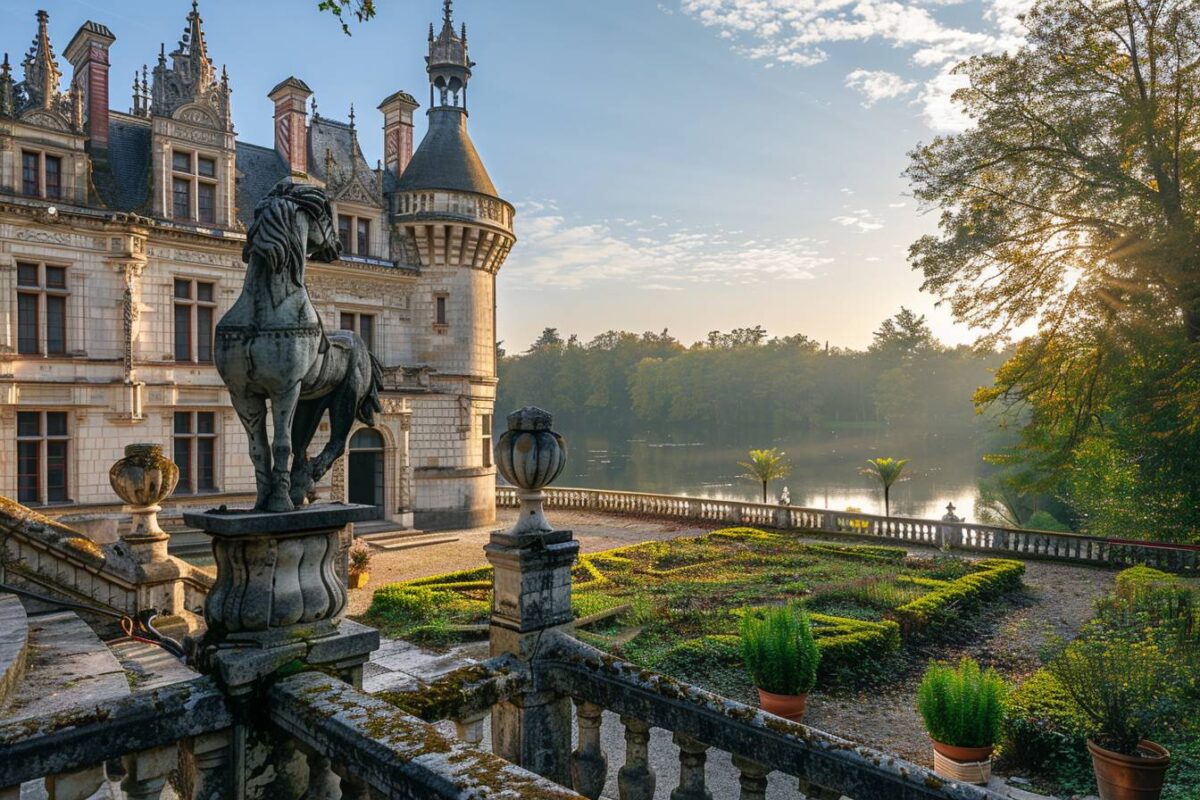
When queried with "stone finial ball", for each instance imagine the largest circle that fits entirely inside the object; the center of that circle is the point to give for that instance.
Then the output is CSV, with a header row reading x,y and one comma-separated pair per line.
x,y
144,477
529,455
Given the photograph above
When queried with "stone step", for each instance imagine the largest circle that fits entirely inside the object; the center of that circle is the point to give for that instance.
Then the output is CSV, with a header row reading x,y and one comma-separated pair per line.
x,y
402,542
148,666
389,533
67,666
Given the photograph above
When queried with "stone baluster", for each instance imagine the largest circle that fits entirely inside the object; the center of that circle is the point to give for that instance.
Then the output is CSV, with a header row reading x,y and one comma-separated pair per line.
x,y
77,785
353,787
470,729
206,766
636,779
146,772
589,767
323,782
753,778
692,755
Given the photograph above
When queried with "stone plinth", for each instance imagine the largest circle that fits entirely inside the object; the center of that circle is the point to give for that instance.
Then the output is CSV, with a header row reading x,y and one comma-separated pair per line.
x,y
277,578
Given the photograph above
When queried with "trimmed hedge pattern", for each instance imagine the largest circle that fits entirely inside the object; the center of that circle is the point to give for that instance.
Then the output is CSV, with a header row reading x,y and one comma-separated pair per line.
x,y
947,599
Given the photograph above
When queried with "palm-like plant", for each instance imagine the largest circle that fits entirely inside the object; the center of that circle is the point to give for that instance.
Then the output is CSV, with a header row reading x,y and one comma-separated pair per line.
x,y
887,472
765,466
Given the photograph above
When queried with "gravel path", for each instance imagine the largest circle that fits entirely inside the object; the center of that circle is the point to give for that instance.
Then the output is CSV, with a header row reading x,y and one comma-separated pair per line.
x,y
1057,601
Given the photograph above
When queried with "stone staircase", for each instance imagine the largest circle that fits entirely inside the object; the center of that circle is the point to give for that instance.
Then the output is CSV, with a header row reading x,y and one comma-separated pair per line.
x,y
399,539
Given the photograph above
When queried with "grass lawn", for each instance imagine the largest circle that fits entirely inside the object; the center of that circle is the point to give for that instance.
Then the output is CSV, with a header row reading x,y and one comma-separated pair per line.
x,y
675,606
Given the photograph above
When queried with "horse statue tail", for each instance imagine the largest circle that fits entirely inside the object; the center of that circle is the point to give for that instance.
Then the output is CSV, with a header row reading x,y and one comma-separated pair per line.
x,y
370,405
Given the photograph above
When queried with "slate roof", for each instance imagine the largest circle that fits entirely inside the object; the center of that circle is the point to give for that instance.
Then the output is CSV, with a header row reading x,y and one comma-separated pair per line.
x,y
124,182
339,140
447,158
258,170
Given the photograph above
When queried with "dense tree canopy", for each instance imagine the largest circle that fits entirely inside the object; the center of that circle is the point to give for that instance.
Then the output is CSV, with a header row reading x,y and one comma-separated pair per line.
x,y
1072,204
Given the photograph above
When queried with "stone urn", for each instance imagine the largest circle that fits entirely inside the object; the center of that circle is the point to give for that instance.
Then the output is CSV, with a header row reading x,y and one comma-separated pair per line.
x,y
530,456
143,479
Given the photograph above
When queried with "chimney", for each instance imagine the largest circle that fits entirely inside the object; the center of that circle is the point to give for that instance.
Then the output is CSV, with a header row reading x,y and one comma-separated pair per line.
x,y
291,123
88,54
398,131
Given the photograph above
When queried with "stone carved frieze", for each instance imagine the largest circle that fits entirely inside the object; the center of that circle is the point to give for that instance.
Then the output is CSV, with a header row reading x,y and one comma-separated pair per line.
x,y
408,379
194,257
49,237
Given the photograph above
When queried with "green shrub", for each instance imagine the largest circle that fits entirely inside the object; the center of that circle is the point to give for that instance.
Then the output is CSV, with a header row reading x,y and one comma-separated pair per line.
x,y
937,608
1045,521
1045,732
779,651
1123,687
853,651
964,705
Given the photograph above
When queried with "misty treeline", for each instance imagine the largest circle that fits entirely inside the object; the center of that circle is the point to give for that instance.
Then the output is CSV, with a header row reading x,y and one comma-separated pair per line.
x,y
747,382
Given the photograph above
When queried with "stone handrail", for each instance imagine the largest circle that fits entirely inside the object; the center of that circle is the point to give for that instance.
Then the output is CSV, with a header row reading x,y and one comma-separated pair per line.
x,y
45,556
392,753
999,540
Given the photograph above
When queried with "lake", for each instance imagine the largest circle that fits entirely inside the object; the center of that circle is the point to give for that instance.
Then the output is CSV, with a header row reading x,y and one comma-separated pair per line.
x,y
825,469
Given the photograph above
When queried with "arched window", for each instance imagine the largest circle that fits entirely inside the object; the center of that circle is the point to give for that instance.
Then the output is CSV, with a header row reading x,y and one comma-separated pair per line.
x,y
367,439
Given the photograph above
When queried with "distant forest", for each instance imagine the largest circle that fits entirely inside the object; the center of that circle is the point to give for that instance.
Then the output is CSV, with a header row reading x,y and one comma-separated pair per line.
x,y
745,381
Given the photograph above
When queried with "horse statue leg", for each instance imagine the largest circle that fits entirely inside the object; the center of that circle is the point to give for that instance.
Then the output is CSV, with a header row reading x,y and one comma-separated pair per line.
x,y
252,411
304,428
356,397
283,410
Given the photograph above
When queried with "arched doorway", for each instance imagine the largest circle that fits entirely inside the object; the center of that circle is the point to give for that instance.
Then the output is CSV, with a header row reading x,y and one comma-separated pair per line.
x,y
367,469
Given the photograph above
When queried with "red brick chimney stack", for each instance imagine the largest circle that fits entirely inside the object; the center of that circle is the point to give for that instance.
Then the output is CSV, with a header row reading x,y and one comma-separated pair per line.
x,y
398,131
88,54
291,123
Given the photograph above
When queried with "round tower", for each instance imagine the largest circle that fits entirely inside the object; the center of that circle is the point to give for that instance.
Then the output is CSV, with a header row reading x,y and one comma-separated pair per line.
x,y
451,220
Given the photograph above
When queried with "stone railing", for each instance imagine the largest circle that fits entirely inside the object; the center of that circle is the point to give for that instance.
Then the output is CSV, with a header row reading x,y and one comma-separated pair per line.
x,y
466,206
822,765
950,534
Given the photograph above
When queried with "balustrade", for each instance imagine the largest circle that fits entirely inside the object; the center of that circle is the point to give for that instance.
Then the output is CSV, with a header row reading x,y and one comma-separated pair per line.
x,y
934,533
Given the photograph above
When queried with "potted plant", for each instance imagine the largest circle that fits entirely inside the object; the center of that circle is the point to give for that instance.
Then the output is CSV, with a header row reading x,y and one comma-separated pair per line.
x,y
360,563
1123,687
781,657
962,707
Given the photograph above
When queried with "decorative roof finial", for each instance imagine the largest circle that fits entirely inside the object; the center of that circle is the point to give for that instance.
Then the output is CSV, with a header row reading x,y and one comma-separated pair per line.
x,y
42,75
352,116
314,107
448,13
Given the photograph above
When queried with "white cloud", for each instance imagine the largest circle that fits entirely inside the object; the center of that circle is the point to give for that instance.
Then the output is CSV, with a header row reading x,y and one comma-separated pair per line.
x,y
862,219
558,252
876,84
799,33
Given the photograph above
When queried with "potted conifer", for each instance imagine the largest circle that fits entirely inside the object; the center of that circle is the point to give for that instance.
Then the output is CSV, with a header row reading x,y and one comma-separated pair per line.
x,y
781,657
962,707
1122,687
360,563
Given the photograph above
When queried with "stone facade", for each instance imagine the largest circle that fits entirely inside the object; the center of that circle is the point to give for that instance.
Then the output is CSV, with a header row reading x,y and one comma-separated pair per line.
x,y
120,248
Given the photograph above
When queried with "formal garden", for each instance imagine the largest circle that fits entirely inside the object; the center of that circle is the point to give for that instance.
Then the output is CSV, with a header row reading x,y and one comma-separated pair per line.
x,y
732,611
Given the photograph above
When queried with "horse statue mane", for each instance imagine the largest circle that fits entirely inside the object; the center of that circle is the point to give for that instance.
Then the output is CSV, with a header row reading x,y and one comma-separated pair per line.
x,y
274,235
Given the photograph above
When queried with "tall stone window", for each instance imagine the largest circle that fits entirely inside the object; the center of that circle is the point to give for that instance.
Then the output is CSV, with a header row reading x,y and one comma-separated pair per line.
x,y
195,308
193,187
42,452
196,451
41,309
441,319
362,324
41,175
485,425
355,233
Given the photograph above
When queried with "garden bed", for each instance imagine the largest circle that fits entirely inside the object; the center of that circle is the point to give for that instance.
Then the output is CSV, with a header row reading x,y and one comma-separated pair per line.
x,y
675,606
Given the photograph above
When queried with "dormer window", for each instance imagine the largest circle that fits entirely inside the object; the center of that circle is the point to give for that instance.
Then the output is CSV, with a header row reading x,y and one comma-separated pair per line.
x,y
41,175
355,233
193,187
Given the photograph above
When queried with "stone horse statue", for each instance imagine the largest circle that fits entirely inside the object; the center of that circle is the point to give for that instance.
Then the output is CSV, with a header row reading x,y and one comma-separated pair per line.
x,y
271,346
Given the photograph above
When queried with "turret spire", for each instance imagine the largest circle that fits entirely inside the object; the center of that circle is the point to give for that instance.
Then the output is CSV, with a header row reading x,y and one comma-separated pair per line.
x,y
42,75
449,64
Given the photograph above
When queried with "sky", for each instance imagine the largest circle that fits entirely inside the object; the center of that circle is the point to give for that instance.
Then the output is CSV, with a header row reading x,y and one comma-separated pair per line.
x,y
684,164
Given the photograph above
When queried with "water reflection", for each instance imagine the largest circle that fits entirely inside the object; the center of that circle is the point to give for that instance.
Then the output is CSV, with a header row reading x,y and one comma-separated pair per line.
x,y
824,474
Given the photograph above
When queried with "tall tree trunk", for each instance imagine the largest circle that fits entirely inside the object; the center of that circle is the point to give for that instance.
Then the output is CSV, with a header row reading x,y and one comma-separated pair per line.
x,y
887,503
764,491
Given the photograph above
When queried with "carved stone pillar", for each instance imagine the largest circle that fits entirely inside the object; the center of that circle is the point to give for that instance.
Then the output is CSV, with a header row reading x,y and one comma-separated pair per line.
x,y
589,767
752,777
692,755
531,595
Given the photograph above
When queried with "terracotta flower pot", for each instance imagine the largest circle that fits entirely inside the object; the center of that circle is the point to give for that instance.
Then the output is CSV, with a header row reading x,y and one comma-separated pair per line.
x,y
966,764
359,579
788,706
1122,777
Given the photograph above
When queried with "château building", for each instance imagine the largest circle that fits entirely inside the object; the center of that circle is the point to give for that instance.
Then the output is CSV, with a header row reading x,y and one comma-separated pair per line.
x,y
120,247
